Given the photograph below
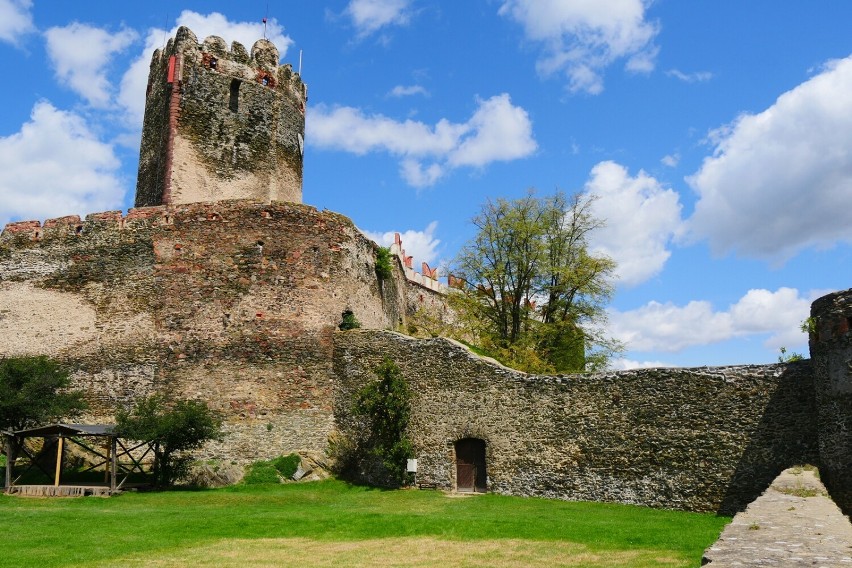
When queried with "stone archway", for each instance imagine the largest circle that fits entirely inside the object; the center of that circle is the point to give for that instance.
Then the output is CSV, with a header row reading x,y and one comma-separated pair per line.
x,y
471,475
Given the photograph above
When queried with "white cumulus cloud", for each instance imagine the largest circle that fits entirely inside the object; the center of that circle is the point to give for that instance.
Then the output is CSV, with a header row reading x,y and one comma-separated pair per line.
x,y
671,160
135,79
422,245
497,131
581,39
369,16
695,77
641,215
15,20
408,90
55,166
781,181
80,55
670,328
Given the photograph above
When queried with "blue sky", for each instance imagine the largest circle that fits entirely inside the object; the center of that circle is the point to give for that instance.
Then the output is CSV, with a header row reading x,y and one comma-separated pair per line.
x,y
716,135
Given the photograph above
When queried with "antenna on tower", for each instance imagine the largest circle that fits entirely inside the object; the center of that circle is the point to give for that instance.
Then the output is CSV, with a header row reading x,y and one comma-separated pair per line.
x,y
166,30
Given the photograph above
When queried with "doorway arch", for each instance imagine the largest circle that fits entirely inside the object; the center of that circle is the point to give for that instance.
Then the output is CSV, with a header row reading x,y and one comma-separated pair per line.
x,y
471,476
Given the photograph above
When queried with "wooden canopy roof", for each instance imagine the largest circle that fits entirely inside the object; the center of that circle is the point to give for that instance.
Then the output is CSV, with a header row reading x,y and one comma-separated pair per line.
x,y
66,430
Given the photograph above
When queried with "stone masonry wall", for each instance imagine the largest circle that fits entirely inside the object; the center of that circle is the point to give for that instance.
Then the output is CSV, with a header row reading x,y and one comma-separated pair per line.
x,y
703,439
234,303
831,351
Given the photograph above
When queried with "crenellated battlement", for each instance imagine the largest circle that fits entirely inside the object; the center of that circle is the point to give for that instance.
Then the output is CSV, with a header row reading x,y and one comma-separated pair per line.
x,y
427,278
71,226
260,65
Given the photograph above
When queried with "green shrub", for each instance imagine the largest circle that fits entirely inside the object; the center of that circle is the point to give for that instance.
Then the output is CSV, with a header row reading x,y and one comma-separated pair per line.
x,y
287,465
272,471
261,472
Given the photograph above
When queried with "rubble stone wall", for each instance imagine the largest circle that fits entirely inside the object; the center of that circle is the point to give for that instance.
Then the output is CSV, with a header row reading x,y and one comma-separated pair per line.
x,y
831,351
702,439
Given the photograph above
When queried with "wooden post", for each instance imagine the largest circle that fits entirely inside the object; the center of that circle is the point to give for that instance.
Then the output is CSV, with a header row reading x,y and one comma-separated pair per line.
x,y
9,464
58,461
108,464
113,463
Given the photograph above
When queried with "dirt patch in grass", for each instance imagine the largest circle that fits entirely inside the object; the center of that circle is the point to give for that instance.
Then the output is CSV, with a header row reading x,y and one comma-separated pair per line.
x,y
398,552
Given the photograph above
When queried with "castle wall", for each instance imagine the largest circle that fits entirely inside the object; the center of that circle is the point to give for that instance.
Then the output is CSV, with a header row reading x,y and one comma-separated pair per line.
x,y
703,439
221,124
831,351
234,303
237,303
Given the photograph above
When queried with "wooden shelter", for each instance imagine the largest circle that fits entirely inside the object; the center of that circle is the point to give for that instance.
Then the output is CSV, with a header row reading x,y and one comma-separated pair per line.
x,y
116,458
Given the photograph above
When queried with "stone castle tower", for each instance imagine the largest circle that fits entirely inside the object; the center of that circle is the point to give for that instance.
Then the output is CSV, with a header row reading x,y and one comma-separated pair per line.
x,y
221,124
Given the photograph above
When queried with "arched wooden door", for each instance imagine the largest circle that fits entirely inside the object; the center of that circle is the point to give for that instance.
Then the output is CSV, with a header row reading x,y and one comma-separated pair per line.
x,y
470,465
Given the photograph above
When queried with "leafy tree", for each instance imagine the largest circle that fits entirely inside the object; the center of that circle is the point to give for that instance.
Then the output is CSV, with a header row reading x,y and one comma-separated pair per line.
x,y
533,294
33,392
385,406
173,428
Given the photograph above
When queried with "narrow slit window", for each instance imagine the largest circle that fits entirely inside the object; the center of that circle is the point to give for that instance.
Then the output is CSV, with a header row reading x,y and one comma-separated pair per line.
x,y
234,101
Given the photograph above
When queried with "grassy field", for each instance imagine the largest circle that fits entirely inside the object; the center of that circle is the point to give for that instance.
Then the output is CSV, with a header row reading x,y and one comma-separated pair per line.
x,y
334,524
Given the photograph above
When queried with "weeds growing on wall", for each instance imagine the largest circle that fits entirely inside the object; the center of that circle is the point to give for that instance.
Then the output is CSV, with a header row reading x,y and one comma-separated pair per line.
x,y
793,356
349,321
383,263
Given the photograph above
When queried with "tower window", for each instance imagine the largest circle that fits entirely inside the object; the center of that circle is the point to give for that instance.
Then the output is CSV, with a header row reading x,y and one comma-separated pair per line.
x,y
234,101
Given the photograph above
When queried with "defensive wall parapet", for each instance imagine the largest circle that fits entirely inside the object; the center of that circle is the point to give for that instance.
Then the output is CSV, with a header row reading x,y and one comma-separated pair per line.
x,y
427,278
701,439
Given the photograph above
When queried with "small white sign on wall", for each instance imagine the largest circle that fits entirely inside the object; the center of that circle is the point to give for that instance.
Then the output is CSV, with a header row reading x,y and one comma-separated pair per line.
x,y
412,466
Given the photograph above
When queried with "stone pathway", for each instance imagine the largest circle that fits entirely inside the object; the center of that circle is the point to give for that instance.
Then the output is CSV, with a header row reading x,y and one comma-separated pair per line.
x,y
793,523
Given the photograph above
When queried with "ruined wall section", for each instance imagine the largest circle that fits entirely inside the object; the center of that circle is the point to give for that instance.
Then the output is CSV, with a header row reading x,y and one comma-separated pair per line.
x,y
233,302
831,352
221,124
703,439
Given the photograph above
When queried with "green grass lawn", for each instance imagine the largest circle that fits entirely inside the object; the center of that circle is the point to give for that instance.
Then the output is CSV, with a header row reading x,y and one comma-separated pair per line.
x,y
331,523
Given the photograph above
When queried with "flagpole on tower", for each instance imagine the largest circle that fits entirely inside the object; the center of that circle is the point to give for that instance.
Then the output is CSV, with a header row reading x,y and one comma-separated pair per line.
x,y
264,20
